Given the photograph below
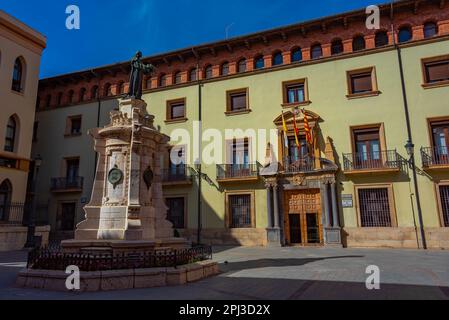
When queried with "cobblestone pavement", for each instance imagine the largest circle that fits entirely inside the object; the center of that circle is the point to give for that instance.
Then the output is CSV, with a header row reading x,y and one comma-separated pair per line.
x,y
281,273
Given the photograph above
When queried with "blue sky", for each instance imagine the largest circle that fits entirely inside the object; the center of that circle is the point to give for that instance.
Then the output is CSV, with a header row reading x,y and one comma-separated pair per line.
x,y
113,30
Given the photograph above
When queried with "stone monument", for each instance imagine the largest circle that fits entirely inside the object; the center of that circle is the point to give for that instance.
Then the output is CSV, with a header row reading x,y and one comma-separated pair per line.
x,y
127,211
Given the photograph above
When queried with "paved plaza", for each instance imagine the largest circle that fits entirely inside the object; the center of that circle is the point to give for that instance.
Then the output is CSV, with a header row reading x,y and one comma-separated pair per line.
x,y
281,273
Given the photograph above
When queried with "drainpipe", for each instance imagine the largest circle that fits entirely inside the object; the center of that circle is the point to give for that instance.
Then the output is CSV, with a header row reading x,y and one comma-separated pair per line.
x,y
409,134
199,168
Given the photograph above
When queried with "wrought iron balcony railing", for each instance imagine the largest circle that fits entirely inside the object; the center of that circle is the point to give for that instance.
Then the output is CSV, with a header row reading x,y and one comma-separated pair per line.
x,y
237,171
435,156
177,174
67,184
380,160
299,164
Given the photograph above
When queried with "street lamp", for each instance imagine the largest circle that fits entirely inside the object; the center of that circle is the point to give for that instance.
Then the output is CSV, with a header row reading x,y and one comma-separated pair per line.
x,y
410,147
31,239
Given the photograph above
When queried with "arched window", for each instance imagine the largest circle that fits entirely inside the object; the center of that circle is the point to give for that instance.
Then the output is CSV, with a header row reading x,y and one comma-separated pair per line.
x,y
405,34
48,101
224,69
381,39
121,87
107,90
208,72
241,65
60,95
193,75
316,51
336,47
70,96
162,80
94,93
296,55
5,199
10,136
82,94
17,75
178,78
358,43
278,59
259,62
430,29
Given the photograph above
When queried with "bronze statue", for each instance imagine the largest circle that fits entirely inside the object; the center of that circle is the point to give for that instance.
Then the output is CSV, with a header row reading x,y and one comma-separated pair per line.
x,y
138,68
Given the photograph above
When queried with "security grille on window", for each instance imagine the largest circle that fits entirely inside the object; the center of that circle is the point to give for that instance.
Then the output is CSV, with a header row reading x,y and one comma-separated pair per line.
x,y
240,211
444,197
374,208
176,212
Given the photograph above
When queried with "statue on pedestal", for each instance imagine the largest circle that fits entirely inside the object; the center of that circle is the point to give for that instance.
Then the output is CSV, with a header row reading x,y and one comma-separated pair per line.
x,y
138,69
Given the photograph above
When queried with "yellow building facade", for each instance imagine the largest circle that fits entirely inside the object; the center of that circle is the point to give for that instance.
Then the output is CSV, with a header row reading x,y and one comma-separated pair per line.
x,y
364,95
20,54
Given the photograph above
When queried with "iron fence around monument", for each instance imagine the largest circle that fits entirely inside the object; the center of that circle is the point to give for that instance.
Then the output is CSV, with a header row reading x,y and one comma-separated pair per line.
x,y
53,258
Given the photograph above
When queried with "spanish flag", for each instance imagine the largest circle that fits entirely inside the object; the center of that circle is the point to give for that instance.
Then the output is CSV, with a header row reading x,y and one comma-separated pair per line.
x,y
307,128
296,130
284,128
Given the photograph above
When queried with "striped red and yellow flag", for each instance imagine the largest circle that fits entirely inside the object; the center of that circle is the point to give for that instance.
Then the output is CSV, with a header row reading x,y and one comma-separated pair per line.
x,y
284,128
296,130
307,129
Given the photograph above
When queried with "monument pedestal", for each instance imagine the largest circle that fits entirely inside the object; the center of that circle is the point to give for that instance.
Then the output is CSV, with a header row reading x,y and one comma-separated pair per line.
x,y
127,212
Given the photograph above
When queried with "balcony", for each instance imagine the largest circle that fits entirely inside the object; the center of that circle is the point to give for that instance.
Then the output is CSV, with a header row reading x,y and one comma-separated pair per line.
x,y
374,162
237,172
435,158
177,176
63,185
299,165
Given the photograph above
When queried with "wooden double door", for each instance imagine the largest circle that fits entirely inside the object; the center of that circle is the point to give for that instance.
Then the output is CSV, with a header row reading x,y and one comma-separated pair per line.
x,y
303,217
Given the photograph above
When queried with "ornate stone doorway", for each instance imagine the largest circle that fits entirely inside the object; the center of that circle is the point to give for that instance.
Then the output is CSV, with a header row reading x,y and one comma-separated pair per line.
x,y
303,217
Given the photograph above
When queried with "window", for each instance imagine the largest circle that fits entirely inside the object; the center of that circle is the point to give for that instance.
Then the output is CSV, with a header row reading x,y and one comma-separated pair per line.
x,y
82,94
70,96
375,209
436,70
294,92
121,87
193,74
444,200
337,47
162,80
361,82
176,211
48,101
368,144
148,83
107,90
73,126
381,39
358,43
17,75
240,211
278,59
316,51
430,30
72,170
11,130
176,110
239,152
405,34
65,220
237,100
94,93
208,72
295,153
259,62
178,78
296,55
440,141
5,199
60,95
242,65
224,69
35,129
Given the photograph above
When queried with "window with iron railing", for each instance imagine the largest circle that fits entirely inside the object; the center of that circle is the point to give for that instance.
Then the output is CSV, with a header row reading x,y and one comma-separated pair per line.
x,y
374,208
240,211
